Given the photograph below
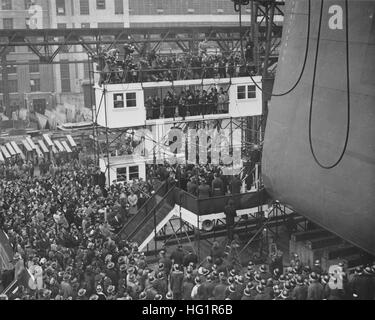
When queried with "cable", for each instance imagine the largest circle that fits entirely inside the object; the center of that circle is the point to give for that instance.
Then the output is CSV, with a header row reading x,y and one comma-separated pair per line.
x,y
328,167
304,62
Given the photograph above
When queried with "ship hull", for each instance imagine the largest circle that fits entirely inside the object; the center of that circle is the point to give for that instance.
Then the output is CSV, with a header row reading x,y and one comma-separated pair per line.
x,y
340,199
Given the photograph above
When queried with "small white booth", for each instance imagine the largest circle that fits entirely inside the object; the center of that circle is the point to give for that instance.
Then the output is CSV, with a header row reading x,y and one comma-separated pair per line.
x,y
123,105
124,168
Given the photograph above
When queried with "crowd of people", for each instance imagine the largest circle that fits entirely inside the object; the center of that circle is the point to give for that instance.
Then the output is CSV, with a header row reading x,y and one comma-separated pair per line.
x,y
63,225
188,103
152,67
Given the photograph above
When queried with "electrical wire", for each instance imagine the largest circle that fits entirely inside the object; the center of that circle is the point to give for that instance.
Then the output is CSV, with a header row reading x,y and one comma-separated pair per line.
x,y
328,167
304,62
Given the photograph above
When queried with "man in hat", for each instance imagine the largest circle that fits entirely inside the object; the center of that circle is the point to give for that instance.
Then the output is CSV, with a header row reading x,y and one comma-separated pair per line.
x,y
230,214
194,291
317,268
300,290
66,288
231,293
315,290
192,186
263,271
82,294
191,257
112,273
161,284
19,266
217,186
260,293
187,287
100,293
204,190
361,286
150,290
220,289
235,185
165,261
176,282
177,256
240,286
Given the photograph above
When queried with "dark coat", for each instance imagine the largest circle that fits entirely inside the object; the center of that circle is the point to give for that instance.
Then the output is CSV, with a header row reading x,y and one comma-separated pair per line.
x,y
235,185
230,214
299,292
315,291
203,191
176,281
219,291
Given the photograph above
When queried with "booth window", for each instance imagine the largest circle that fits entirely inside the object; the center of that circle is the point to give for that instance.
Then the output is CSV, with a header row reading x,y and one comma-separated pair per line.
x,y
121,174
133,173
251,92
131,100
118,100
241,92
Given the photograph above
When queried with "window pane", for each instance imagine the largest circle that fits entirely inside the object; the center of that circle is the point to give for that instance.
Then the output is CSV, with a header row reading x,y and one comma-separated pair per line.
x,y
65,76
8,23
34,85
6,4
251,92
60,7
118,101
131,100
34,66
84,7
133,173
241,92
13,86
100,4
11,69
119,7
121,174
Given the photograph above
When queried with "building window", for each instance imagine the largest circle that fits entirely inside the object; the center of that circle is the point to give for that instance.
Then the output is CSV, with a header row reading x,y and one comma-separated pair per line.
x,y
134,173
11,69
60,7
122,174
34,66
118,101
246,92
8,23
131,100
65,76
12,86
110,25
61,26
40,105
251,92
1,86
6,4
241,92
100,4
84,7
34,85
119,7
85,25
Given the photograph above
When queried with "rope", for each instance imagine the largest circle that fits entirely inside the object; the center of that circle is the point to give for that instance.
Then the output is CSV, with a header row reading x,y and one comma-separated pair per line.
x,y
328,167
303,67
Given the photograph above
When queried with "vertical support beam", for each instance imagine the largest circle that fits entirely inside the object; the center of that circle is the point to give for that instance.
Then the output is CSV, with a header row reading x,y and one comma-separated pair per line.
x,y
255,33
270,12
155,234
4,74
107,133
